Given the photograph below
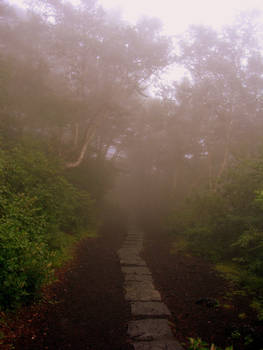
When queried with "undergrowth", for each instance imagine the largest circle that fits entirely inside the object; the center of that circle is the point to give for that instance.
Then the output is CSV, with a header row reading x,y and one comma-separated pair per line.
x,y
40,221
225,226
199,344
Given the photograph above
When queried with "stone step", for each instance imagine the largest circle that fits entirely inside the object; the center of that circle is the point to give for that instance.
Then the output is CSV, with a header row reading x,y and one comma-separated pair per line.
x,y
136,270
148,309
132,261
138,278
141,291
149,330
135,235
153,345
128,254
128,250
133,244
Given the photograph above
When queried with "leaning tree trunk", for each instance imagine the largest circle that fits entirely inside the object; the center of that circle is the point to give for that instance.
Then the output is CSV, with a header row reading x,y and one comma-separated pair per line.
x,y
89,136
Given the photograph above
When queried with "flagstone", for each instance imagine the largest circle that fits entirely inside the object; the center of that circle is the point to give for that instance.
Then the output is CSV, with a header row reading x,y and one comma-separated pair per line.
x,y
149,309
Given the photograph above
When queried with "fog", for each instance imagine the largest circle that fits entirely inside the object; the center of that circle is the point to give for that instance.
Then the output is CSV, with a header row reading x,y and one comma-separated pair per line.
x,y
93,126
79,78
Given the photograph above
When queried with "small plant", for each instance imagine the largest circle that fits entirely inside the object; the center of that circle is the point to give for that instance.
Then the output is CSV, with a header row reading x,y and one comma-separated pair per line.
x,y
248,340
258,306
199,344
235,334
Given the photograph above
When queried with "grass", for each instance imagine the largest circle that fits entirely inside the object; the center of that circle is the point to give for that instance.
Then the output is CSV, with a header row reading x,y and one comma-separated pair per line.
x,y
179,245
64,245
249,282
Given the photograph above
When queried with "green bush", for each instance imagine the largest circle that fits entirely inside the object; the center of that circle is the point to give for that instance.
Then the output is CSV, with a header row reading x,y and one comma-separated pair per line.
x,y
226,224
31,172
37,204
199,344
24,254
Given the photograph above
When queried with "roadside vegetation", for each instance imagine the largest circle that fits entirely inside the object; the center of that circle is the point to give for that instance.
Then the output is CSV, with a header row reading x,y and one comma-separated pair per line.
x,y
79,128
42,214
68,79
225,226
198,344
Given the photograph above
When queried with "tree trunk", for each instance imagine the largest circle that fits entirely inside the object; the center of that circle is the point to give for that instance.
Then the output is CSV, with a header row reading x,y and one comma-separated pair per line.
x,y
226,152
90,134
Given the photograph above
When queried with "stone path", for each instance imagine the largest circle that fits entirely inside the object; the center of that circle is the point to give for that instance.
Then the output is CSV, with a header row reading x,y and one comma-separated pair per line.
x,y
149,328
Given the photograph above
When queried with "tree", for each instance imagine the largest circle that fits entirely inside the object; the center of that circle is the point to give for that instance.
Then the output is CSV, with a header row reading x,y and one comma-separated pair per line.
x,y
224,95
103,63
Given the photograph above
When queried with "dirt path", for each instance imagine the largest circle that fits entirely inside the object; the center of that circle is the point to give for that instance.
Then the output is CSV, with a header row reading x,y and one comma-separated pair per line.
x,y
149,328
87,310
199,299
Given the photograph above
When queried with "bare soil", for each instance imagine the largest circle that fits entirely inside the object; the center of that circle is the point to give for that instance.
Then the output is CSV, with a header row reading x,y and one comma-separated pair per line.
x,y
203,304
84,309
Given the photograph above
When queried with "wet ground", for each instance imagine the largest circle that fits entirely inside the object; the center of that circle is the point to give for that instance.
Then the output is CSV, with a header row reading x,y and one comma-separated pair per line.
x,y
149,328
201,302
86,307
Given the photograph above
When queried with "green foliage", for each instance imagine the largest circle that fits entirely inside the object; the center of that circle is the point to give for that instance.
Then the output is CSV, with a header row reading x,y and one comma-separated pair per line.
x,y
94,176
199,344
36,204
228,270
82,116
30,171
257,304
24,253
226,225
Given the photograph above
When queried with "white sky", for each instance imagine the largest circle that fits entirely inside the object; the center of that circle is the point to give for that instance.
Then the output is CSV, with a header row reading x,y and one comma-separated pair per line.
x,y
177,15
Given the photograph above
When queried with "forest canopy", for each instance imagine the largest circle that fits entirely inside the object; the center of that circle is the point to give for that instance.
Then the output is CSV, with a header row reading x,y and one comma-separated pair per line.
x,y
78,122
70,78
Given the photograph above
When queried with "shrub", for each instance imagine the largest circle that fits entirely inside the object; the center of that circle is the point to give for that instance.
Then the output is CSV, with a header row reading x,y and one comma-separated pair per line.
x,y
226,225
36,204
24,254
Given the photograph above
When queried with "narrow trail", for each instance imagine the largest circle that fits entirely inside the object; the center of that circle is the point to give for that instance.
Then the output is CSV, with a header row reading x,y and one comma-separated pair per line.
x,y
149,328
86,310
124,292
183,280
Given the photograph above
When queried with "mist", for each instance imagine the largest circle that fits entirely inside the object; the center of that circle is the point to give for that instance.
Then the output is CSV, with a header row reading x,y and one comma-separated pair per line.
x,y
99,134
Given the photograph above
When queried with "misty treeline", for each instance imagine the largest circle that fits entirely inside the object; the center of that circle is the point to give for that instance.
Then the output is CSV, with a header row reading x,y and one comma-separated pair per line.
x,y
70,81
195,157
76,125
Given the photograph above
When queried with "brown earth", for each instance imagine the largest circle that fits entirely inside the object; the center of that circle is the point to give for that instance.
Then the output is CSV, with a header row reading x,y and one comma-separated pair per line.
x,y
188,286
85,308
